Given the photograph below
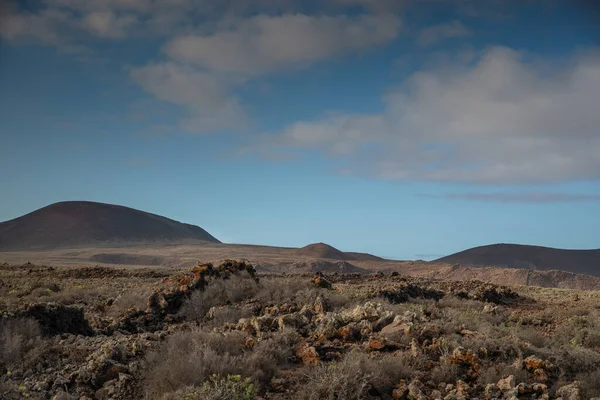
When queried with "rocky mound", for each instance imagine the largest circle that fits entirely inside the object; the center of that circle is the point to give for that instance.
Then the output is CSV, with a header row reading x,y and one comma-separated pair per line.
x,y
327,267
528,257
82,223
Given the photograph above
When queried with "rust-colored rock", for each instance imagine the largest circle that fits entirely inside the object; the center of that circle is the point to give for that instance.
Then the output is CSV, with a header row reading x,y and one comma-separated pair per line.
x,y
349,332
400,392
376,344
321,282
468,361
308,354
397,326
540,369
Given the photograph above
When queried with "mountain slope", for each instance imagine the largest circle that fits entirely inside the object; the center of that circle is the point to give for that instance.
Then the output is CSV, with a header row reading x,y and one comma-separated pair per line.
x,y
323,250
529,257
79,223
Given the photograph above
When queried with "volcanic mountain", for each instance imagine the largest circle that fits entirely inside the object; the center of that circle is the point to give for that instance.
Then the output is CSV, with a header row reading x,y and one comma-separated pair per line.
x,y
528,257
83,223
323,250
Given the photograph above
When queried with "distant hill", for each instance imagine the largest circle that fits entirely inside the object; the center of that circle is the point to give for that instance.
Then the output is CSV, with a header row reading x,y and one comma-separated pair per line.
x,y
323,250
83,223
528,257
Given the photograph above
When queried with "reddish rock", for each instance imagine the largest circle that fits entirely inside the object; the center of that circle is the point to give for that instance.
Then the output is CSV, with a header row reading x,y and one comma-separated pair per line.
x,y
376,344
308,354
321,282
348,332
401,391
468,361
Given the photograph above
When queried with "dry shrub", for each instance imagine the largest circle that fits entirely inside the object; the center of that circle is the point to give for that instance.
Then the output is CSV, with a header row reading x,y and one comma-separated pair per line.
x,y
299,291
590,384
231,387
390,369
357,373
188,359
132,298
226,314
458,319
445,373
451,301
276,290
219,292
500,349
349,378
530,335
494,373
571,360
82,295
17,336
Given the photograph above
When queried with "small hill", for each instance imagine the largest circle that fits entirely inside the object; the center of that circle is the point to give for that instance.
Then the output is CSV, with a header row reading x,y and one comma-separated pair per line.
x,y
323,250
82,223
528,257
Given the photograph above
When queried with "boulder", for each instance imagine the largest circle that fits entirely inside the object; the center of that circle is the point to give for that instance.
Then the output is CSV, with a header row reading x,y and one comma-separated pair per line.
x,y
507,383
570,392
308,354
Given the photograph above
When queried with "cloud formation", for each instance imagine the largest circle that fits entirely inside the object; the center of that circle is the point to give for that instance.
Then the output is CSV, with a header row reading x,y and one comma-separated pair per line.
x,y
518,197
202,70
266,43
433,34
502,120
206,99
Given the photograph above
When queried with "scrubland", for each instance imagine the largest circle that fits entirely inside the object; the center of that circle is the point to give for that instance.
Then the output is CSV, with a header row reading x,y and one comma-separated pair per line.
x,y
225,332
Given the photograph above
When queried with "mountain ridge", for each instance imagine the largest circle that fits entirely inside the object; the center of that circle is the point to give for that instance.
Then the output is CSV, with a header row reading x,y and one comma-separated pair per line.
x,y
82,223
528,257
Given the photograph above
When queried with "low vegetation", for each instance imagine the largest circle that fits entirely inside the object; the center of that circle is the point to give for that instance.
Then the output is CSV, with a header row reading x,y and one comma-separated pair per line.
x,y
222,332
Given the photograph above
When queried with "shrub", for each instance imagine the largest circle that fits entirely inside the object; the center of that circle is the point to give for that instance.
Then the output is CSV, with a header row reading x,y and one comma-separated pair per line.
x,y
494,373
390,369
348,378
298,291
529,334
231,387
450,301
445,373
357,373
219,292
188,359
137,298
227,314
280,290
589,384
17,336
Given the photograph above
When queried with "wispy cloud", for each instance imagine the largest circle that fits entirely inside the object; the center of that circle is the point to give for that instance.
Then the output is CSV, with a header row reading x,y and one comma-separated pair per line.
x,y
433,34
522,197
502,119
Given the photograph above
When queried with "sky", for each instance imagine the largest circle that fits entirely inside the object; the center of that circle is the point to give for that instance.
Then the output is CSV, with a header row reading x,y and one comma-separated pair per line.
x,y
410,129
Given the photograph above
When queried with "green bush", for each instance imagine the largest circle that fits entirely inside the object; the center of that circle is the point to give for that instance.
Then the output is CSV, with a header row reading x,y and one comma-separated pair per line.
x,y
230,387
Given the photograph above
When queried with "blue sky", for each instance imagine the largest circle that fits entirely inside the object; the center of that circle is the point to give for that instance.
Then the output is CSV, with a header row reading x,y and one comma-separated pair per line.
x,y
408,129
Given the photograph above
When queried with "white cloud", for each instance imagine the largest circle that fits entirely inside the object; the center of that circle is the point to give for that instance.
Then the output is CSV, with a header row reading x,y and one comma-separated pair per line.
x,y
203,71
433,34
519,197
204,96
106,24
265,43
48,26
502,120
